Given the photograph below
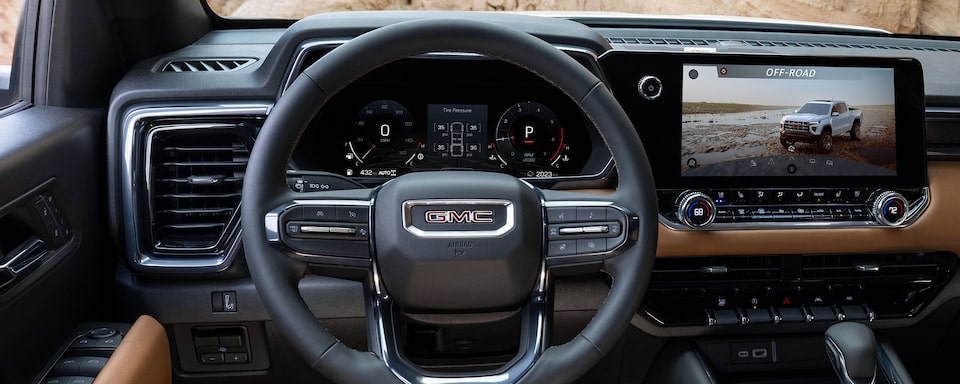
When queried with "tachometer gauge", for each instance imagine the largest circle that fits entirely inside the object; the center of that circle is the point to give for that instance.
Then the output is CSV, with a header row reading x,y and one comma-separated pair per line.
x,y
530,140
386,142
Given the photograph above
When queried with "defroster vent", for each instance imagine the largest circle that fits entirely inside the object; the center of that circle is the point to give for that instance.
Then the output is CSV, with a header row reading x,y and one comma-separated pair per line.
x,y
206,65
195,176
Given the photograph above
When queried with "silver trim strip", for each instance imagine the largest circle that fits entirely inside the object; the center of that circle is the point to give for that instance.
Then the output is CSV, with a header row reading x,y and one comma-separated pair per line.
x,y
534,330
23,258
131,177
407,218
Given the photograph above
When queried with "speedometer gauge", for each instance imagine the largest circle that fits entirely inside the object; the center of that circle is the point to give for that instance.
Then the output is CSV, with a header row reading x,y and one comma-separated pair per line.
x,y
530,140
386,142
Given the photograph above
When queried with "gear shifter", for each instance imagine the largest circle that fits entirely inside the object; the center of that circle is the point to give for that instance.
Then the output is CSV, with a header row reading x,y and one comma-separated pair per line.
x,y
852,349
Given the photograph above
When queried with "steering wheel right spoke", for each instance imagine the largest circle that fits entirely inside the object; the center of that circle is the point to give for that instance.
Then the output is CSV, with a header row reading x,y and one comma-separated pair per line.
x,y
585,228
328,228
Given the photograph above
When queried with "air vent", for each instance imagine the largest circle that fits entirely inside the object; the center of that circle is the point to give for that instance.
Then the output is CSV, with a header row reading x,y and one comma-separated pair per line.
x,y
195,176
206,65
887,267
766,43
691,271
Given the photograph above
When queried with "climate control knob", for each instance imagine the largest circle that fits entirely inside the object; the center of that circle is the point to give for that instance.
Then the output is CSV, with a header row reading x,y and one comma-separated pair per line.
x,y
696,209
890,208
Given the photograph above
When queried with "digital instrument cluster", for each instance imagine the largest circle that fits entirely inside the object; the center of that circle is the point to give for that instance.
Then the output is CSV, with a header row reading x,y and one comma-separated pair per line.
x,y
503,119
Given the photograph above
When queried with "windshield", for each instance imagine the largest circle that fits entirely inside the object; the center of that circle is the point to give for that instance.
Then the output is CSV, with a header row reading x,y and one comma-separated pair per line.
x,y
925,17
815,108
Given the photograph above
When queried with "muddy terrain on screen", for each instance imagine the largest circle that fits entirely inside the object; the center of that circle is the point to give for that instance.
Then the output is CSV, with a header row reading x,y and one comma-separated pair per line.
x,y
719,136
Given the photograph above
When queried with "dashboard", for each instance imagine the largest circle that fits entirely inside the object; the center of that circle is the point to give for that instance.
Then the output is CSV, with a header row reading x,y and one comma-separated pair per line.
x,y
767,224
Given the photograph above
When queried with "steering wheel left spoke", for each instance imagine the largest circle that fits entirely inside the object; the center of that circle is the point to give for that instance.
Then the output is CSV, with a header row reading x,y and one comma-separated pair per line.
x,y
328,228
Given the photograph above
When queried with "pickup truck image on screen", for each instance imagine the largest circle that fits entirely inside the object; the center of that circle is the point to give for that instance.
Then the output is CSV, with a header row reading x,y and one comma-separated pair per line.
x,y
794,121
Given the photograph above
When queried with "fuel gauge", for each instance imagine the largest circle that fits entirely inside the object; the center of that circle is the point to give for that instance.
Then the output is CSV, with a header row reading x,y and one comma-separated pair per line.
x,y
387,140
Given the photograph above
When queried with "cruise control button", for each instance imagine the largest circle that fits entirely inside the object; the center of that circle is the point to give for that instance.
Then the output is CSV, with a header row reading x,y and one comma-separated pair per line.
x,y
349,214
319,213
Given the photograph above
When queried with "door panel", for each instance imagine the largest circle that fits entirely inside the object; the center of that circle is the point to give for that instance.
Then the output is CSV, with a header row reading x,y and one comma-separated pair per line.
x,y
50,158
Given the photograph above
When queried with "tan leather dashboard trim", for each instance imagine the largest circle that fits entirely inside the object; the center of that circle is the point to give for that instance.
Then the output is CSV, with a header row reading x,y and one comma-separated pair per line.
x,y
938,229
143,357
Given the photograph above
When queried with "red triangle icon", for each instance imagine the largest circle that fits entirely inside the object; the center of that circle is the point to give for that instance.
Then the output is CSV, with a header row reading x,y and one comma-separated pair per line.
x,y
786,301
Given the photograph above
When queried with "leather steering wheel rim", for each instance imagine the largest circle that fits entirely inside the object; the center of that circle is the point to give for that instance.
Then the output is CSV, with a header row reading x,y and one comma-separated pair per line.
x,y
276,276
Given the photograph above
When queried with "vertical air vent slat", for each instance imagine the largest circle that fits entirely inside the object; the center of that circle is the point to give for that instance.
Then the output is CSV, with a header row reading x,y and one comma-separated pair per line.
x,y
206,65
196,176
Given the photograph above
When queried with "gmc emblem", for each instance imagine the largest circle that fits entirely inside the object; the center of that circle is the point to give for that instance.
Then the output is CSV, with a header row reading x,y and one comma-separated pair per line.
x,y
451,217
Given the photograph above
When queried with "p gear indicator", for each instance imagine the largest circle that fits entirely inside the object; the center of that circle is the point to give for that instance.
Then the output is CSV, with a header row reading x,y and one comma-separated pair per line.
x,y
530,134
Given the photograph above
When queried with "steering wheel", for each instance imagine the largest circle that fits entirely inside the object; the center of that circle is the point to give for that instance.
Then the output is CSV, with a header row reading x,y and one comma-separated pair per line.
x,y
463,243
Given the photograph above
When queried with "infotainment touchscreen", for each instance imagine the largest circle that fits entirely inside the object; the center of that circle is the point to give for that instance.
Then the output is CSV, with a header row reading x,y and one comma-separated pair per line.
x,y
784,120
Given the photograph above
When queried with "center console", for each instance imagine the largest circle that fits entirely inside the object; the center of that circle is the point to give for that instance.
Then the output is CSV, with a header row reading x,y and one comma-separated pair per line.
x,y
754,141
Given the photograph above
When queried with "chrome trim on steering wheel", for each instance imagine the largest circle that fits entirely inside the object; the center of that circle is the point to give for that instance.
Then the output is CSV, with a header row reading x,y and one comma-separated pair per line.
x,y
532,345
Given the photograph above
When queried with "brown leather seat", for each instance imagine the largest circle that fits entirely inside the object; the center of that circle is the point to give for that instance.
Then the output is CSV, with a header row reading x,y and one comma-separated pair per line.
x,y
143,357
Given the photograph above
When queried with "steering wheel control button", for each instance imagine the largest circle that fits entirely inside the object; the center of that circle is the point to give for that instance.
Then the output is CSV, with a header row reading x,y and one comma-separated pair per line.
x,y
890,208
561,215
591,214
696,210
585,246
319,213
650,87
349,214
562,248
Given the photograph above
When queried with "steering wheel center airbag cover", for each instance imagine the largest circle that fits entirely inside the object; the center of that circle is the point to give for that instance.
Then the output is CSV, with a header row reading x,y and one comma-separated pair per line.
x,y
458,241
